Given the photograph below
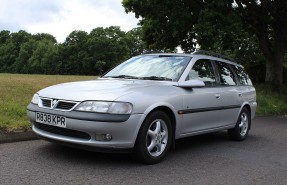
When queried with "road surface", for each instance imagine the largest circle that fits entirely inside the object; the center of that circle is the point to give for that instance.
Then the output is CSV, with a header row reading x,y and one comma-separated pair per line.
x,y
207,159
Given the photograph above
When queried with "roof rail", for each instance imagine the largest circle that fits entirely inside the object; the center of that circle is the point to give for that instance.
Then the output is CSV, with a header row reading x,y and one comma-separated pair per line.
x,y
213,54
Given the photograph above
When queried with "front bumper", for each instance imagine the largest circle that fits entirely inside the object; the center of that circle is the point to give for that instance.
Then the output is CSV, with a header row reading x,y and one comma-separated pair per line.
x,y
123,129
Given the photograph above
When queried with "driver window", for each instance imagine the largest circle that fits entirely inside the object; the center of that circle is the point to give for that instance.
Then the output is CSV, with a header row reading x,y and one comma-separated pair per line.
x,y
202,70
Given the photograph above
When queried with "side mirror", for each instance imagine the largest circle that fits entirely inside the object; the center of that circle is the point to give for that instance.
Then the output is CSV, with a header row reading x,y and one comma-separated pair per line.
x,y
191,83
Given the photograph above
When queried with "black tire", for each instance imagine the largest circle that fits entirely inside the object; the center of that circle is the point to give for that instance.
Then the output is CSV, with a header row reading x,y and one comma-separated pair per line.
x,y
154,138
242,127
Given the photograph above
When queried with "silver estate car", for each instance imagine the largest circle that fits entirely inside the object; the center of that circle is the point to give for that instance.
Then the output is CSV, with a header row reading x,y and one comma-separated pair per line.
x,y
144,104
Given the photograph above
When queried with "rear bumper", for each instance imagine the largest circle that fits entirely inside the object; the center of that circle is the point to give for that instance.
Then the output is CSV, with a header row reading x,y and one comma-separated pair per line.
x,y
253,107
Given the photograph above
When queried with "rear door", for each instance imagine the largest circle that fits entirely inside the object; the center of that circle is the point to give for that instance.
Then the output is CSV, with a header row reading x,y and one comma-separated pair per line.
x,y
230,94
246,91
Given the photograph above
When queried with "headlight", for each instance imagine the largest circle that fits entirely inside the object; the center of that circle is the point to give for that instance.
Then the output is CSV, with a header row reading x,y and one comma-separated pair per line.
x,y
105,107
35,99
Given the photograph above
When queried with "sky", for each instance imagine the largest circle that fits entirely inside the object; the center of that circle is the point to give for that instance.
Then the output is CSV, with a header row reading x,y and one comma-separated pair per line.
x,y
60,17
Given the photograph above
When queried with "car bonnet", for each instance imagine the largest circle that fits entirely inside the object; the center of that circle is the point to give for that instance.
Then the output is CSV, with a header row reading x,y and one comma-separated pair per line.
x,y
104,89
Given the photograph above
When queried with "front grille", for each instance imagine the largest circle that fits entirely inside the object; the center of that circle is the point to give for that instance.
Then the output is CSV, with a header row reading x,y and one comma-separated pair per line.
x,y
46,102
65,105
57,104
63,131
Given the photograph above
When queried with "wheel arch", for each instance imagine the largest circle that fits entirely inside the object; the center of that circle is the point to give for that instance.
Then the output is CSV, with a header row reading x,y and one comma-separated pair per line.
x,y
143,143
248,107
170,112
172,117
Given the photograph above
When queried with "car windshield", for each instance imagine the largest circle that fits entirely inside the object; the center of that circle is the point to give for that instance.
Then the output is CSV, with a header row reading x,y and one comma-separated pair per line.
x,y
151,67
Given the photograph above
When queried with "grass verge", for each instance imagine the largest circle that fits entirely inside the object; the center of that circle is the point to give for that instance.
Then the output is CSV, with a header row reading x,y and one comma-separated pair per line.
x,y
270,102
16,91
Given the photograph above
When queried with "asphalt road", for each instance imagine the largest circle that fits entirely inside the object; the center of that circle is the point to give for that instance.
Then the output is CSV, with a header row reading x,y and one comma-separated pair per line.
x,y
207,159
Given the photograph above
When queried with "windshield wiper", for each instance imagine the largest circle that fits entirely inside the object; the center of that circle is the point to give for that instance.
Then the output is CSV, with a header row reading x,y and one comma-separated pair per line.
x,y
156,78
122,76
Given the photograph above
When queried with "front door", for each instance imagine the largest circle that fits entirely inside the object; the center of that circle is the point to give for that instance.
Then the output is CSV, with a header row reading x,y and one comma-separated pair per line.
x,y
201,106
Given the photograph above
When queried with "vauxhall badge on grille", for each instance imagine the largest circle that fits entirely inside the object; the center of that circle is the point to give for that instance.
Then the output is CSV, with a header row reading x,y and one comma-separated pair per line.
x,y
54,102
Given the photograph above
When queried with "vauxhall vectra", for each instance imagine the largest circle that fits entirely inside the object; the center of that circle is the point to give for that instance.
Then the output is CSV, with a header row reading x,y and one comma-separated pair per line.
x,y
144,104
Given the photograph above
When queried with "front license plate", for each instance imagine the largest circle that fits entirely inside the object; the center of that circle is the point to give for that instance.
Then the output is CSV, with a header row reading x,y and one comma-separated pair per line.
x,y
50,119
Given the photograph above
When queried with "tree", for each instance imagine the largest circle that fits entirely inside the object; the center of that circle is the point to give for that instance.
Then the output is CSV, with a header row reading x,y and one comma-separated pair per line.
x,y
44,58
221,30
4,36
82,53
108,45
135,41
26,51
96,52
42,36
8,54
267,19
171,23
73,53
167,24
10,48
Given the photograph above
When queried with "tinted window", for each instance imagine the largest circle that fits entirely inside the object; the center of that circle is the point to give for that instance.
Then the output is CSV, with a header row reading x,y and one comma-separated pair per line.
x,y
202,70
225,74
242,76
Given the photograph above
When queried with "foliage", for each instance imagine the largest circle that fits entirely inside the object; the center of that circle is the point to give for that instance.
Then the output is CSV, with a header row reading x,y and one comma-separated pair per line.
x,y
270,28
82,53
252,30
221,30
167,24
108,45
135,41
73,53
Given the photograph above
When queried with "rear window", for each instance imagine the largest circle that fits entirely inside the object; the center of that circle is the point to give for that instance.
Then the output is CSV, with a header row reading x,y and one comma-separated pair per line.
x,y
242,75
225,74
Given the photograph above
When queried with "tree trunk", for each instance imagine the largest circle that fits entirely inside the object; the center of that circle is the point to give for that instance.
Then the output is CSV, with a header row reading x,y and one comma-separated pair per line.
x,y
277,81
274,70
274,54
278,55
269,71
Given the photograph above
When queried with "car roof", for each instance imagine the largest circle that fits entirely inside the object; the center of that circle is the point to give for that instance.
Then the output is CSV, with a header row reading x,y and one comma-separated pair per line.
x,y
221,58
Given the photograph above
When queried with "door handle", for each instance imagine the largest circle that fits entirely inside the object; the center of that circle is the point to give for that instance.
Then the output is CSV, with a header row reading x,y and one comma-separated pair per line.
x,y
217,96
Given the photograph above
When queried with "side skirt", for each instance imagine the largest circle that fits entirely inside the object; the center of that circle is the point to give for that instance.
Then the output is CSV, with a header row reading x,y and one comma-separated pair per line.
x,y
206,131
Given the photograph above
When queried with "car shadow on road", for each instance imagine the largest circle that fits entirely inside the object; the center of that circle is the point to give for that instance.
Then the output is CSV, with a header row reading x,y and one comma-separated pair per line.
x,y
182,147
82,156
199,141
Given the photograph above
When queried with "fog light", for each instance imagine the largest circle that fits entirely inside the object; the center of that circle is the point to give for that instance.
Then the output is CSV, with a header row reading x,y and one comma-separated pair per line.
x,y
103,137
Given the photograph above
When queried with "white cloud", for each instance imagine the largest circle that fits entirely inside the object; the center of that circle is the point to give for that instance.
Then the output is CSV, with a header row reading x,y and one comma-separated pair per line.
x,y
61,17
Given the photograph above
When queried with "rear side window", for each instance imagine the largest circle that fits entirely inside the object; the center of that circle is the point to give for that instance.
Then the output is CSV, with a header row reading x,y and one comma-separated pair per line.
x,y
226,75
202,70
242,75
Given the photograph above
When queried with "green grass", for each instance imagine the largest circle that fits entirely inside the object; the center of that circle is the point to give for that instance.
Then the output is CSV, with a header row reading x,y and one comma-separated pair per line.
x,y
270,102
16,91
